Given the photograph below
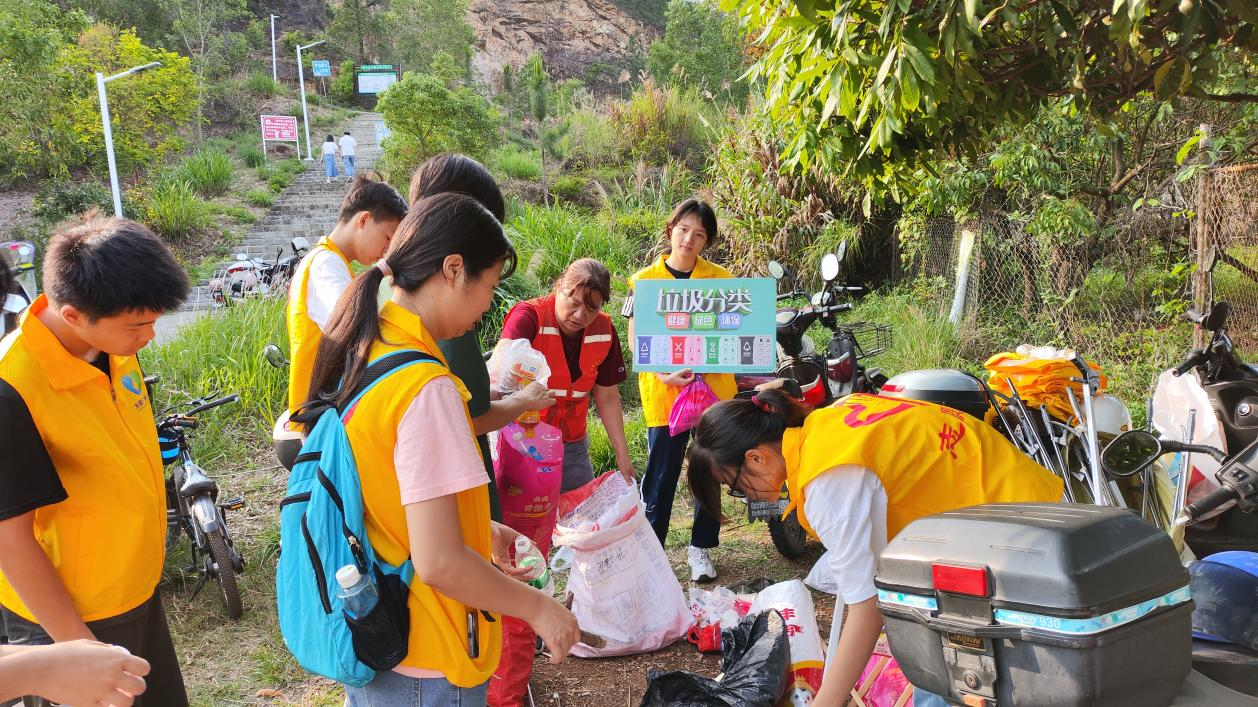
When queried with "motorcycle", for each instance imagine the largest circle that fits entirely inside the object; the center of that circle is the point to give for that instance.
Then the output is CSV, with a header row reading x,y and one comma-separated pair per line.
x,y
1211,400
818,378
248,276
18,259
1231,665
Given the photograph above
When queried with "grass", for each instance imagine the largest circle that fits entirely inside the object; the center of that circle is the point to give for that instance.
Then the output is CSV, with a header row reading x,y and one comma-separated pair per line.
x,y
260,197
548,239
511,161
174,210
209,171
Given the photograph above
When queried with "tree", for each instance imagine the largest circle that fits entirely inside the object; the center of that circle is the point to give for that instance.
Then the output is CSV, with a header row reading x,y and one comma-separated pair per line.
x,y
701,48
877,88
148,110
427,119
538,84
200,26
360,25
31,36
423,29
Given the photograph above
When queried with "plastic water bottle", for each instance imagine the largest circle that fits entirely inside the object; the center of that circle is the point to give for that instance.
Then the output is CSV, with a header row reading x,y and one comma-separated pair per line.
x,y
527,555
357,591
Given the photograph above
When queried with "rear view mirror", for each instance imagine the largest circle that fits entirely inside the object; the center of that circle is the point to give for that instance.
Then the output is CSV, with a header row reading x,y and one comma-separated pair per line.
x,y
1217,316
274,356
1130,453
829,267
776,271
300,243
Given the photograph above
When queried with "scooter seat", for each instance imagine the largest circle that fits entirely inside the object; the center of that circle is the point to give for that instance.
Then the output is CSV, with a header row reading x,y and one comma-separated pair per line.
x,y
1228,664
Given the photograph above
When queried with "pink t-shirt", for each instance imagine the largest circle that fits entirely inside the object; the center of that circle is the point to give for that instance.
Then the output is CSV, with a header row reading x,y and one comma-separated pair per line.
x,y
436,455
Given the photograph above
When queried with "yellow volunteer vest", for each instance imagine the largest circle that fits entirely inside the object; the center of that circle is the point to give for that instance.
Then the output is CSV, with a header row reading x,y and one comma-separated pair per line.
x,y
929,458
658,398
438,638
303,334
107,541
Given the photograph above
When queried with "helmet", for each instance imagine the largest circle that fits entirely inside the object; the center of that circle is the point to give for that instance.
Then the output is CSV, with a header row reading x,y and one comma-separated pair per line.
x,y
1111,416
942,386
1223,588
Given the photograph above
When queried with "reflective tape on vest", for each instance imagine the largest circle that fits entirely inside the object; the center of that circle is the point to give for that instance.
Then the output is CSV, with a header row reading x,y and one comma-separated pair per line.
x,y
573,394
597,338
1053,624
549,331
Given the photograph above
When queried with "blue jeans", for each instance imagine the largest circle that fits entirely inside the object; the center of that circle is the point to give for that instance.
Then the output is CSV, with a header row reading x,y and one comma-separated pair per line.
x,y
329,165
659,485
390,689
348,161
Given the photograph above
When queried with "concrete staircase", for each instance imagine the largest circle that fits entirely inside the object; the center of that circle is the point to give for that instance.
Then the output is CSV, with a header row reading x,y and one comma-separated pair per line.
x,y
308,207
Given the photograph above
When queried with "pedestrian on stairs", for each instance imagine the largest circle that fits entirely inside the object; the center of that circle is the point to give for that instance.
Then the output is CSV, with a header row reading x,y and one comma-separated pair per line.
x,y
329,158
348,154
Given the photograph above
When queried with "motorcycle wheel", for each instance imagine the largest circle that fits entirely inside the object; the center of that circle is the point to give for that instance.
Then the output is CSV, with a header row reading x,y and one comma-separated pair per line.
x,y
224,573
789,537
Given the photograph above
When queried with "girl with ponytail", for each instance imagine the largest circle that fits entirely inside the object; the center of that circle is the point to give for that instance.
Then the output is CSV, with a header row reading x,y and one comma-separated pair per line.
x,y
858,472
425,493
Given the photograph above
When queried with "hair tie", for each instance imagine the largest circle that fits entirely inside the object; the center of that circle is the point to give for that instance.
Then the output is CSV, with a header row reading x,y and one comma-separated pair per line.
x,y
764,407
384,267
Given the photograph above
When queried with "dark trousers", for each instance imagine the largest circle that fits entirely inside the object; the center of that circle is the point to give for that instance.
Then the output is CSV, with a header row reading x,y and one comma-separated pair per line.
x,y
142,631
659,485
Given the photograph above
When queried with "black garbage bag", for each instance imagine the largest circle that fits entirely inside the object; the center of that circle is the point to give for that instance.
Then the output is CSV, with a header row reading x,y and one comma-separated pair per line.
x,y
756,664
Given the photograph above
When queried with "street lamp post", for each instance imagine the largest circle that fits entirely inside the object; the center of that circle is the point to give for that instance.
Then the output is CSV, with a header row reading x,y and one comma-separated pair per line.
x,y
301,81
101,80
275,75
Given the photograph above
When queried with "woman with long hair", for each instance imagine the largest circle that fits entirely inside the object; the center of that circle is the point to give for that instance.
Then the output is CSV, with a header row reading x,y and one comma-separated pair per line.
x,y
423,483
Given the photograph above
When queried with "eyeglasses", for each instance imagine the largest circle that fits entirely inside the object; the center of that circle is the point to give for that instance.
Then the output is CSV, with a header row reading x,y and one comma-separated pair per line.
x,y
733,484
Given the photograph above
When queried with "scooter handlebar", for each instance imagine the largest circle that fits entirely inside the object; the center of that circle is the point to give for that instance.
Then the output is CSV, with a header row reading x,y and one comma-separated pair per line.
x,y
212,404
1189,363
1196,510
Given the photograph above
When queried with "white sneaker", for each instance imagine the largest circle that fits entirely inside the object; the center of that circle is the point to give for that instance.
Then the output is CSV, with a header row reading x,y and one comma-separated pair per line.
x,y
700,561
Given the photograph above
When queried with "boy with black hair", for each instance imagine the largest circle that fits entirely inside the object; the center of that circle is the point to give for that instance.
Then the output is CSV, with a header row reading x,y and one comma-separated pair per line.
x,y
370,213
82,488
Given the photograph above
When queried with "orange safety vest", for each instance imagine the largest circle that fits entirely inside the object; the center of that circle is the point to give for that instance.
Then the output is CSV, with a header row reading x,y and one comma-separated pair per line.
x,y
929,458
572,407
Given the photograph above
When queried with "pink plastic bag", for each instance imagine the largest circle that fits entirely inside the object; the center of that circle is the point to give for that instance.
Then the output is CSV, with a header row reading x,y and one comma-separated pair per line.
x,y
689,406
529,472
882,684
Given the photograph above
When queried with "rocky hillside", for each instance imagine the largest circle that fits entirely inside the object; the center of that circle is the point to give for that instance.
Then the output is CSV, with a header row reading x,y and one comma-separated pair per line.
x,y
571,34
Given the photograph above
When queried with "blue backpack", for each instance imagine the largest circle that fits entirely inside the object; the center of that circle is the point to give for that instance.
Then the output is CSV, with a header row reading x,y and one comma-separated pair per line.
x,y
321,531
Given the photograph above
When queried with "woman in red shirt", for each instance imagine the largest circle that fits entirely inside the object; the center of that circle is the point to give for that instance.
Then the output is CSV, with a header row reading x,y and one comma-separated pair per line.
x,y
581,347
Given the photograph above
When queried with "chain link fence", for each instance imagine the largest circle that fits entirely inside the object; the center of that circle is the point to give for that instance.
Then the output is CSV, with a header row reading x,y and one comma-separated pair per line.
x,y
1224,248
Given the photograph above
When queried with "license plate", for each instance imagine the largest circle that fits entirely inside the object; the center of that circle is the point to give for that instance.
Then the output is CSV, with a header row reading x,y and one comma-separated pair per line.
x,y
764,510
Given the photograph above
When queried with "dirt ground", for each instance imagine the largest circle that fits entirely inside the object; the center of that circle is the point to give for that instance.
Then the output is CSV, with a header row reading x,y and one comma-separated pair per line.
x,y
746,553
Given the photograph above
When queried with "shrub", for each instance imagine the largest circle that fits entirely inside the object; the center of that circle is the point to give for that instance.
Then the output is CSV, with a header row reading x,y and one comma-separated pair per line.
x,y
590,140
571,187
59,200
516,163
260,197
292,166
659,122
279,181
174,210
259,84
252,156
208,171
427,119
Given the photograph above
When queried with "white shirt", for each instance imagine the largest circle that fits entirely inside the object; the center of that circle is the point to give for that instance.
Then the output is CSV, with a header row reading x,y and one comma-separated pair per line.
x,y
329,278
847,507
348,143
329,148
